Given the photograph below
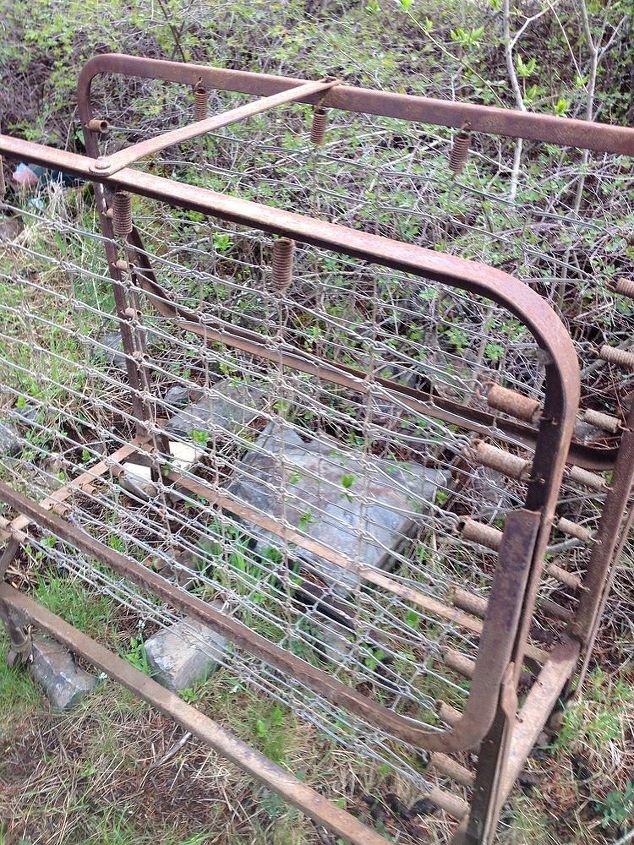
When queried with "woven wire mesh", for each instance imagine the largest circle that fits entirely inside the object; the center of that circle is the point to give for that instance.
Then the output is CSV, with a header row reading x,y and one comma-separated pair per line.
x,y
331,461
350,466
558,219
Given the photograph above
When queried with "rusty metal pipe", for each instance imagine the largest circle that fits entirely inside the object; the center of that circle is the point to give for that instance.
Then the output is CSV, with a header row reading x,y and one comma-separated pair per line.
x,y
117,161
550,129
98,124
279,780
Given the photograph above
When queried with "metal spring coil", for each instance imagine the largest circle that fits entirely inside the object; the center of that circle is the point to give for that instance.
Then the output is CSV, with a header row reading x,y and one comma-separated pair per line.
x,y
282,271
121,214
625,287
200,102
318,128
459,151
620,357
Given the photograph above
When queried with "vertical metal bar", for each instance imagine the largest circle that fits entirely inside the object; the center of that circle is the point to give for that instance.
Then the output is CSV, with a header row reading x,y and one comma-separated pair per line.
x,y
610,538
104,202
521,538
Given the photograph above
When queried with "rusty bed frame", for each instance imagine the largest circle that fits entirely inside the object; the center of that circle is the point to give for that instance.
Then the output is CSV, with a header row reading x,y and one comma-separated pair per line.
x,y
492,720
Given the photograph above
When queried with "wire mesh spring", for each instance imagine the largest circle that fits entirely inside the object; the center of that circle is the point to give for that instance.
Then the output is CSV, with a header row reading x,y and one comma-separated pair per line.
x,y
318,128
200,102
567,526
620,357
500,461
282,273
3,187
121,214
625,287
459,151
604,421
513,403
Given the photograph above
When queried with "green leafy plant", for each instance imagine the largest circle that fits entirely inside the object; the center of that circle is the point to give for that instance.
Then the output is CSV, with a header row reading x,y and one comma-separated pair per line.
x,y
618,806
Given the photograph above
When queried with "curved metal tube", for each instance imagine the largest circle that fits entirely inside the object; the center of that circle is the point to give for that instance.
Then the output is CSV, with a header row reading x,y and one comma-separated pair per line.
x,y
526,531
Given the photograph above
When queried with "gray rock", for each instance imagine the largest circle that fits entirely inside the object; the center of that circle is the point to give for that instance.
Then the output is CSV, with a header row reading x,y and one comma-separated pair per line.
x,y
368,528
112,355
231,407
587,433
10,442
337,645
177,395
183,654
53,667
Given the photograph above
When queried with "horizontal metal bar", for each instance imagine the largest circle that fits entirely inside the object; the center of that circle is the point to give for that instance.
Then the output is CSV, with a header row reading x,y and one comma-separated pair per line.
x,y
279,780
564,131
123,158
464,735
56,500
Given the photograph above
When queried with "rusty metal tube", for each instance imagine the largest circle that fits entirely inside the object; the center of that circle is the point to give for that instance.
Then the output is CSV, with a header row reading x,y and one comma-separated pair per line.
x,y
98,124
452,804
625,287
588,479
205,729
513,403
604,421
566,526
451,768
485,535
621,357
501,461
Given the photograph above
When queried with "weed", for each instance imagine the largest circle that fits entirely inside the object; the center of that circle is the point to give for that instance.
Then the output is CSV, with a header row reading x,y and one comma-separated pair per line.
x,y
19,694
137,655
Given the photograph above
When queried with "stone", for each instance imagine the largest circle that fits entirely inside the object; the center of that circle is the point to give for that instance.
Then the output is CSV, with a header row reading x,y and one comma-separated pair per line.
x,y
230,407
136,479
10,228
185,653
317,501
112,355
184,456
26,414
53,666
177,395
336,642
10,441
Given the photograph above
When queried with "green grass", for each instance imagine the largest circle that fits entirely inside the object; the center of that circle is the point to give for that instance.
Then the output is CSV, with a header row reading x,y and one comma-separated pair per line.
x,y
93,613
20,696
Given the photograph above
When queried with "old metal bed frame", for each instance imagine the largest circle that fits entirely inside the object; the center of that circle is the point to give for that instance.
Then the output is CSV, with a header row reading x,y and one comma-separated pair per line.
x,y
492,720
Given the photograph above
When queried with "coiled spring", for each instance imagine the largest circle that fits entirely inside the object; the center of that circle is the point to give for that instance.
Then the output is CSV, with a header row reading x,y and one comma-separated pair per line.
x,y
200,102
282,271
121,214
620,357
460,150
318,128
